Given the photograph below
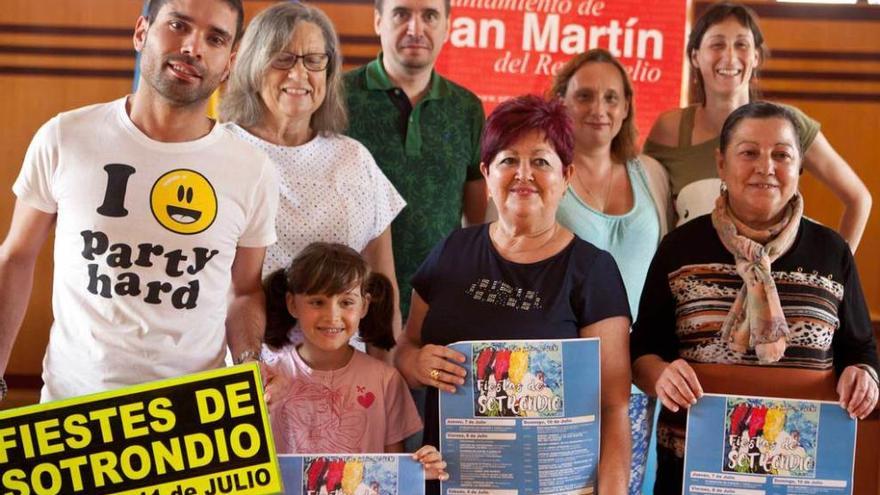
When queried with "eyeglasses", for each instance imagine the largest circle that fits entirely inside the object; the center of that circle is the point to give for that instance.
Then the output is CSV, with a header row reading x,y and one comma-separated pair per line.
x,y
314,62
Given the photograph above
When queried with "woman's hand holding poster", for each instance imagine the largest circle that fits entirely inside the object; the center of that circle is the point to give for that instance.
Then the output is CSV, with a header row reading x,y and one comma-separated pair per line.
x,y
754,445
526,420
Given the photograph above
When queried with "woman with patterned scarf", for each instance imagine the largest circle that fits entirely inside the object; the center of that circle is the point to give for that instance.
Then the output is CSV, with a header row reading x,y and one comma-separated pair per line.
x,y
753,284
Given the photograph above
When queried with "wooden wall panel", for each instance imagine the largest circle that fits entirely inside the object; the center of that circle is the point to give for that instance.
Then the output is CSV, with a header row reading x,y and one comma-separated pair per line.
x,y
67,40
28,102
92,13
829,66
857,36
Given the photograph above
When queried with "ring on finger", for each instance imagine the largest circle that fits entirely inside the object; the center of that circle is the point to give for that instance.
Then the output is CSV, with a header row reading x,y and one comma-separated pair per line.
x,y
434,374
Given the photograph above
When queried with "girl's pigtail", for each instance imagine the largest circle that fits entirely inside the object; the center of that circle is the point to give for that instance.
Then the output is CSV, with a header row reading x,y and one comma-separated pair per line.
x,y
376,327
278,319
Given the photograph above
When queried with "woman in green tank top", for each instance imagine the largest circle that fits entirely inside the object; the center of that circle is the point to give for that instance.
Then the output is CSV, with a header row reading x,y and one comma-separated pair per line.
x,y
725,49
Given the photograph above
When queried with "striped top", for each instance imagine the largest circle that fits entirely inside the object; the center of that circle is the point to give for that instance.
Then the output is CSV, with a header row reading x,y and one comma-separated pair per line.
x,y
692,284
704,294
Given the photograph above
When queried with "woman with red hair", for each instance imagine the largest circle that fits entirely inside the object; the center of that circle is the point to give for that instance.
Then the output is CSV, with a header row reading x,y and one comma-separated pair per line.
x,y
522,277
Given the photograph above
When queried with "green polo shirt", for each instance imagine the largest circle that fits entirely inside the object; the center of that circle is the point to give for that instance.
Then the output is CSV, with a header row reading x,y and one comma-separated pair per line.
x,y
427,151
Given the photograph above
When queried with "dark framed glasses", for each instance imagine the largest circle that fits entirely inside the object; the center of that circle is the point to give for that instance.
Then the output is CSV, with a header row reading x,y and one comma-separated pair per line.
x,y
314,62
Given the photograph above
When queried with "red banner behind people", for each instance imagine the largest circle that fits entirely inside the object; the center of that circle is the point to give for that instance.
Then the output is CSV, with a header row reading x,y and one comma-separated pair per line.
x,y
504,48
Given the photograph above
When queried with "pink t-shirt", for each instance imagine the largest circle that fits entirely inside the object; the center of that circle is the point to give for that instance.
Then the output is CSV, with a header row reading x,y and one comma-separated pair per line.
x,y
357,409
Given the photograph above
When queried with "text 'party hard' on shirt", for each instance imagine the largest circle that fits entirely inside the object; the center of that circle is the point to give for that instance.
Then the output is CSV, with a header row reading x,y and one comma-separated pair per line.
x,y
428,151
691,286
357,409
473,293
330,191
145,238
693,173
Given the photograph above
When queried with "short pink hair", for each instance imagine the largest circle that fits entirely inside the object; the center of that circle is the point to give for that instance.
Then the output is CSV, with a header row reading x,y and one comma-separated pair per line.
x,y
521,115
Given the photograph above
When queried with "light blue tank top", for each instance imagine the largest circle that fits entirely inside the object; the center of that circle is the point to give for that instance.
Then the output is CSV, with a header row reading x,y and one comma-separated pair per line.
x,y
631,238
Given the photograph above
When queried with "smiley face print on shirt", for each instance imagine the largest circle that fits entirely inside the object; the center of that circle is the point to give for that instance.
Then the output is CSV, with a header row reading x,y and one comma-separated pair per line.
x,y
184,202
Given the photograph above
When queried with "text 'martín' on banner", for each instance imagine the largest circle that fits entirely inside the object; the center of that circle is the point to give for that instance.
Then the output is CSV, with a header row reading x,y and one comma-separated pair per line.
x,y
505,48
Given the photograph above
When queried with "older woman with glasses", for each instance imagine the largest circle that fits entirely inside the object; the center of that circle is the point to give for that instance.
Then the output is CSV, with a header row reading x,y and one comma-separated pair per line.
x,y
284,96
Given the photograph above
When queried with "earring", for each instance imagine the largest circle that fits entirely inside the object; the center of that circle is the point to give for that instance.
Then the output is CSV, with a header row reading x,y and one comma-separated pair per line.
x,y
723,188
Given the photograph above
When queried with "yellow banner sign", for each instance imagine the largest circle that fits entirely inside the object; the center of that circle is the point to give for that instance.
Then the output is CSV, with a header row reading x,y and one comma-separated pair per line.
x,y
201,434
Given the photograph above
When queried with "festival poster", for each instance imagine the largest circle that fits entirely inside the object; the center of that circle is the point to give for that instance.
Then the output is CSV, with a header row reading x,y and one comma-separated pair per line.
x,y
360,474
526,420
200,434
504,48
764,446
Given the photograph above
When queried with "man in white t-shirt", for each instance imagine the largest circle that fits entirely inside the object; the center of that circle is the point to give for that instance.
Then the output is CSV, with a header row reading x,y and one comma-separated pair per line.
x,y
161,219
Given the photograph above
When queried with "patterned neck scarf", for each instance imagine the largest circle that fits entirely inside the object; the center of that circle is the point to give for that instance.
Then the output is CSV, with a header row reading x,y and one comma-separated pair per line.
x,y
756,320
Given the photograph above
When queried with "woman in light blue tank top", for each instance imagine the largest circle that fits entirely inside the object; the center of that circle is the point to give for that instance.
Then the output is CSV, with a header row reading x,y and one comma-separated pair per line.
x,y
631,237
617,200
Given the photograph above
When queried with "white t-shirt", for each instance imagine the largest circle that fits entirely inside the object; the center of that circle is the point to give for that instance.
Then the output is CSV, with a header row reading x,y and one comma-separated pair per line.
x,y
331,191
144,242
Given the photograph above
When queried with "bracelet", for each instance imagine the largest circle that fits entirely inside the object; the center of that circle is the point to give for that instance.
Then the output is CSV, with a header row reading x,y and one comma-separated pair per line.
x,y
871,372
3,388
249,355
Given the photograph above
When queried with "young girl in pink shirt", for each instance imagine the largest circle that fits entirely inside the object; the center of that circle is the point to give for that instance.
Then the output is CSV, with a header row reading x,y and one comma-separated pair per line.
x,y
324,396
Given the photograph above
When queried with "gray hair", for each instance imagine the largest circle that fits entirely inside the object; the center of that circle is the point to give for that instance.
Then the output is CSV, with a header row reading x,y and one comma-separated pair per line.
x,y
266,36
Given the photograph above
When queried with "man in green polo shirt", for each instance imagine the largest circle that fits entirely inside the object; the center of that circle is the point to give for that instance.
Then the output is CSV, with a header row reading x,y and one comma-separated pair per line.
x,y
422,129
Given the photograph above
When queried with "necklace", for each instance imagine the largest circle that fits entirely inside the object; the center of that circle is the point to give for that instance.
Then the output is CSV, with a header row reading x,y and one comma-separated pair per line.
x,y
601,203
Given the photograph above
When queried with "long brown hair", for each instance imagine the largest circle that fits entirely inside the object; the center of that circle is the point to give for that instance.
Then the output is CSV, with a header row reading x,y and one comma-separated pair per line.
x,y
330,269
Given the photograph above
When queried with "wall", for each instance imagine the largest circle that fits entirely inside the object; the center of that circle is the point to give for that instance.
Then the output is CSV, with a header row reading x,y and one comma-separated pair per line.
x,y
54,56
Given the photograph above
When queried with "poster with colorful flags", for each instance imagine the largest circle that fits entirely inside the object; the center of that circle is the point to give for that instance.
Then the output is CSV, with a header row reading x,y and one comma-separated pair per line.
x,y
759,445
526,420
360,474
